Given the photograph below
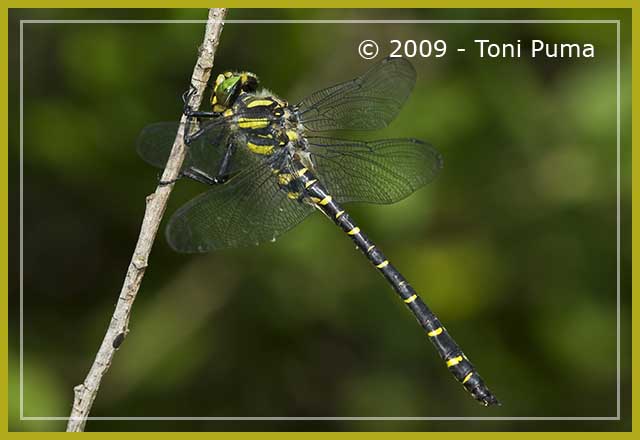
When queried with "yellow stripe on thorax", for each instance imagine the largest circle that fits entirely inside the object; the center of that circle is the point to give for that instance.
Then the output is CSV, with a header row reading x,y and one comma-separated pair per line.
x,y
253,123
260,149
259,102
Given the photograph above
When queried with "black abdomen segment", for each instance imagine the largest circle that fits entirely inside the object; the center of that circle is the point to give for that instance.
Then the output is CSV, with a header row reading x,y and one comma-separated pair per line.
x,y
461,368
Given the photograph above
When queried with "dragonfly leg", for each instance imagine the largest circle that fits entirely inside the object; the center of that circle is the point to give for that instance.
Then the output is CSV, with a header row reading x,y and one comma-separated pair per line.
x,y
186,96
200,114
198,176
189,111
223,171
190,137
202,177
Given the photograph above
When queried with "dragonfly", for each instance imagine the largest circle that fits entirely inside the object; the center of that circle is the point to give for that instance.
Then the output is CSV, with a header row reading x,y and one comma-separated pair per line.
x,y
269,165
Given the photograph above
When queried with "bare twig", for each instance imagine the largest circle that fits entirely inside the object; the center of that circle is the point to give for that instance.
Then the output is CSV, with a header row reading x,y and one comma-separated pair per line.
x,y
86,392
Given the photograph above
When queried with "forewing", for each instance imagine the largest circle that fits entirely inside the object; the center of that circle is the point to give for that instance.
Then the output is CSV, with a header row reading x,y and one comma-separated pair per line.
x,y
383,171
369,102
248,210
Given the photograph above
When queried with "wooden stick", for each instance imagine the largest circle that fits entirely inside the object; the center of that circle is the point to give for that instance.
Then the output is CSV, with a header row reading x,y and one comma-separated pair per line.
x,y
86,392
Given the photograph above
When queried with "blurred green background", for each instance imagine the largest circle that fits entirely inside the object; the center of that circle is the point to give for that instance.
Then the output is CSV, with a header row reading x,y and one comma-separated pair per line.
x,y
513,246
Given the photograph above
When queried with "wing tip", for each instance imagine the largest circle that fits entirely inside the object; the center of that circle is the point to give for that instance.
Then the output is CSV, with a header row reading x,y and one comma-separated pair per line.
x,y
401,61
437,155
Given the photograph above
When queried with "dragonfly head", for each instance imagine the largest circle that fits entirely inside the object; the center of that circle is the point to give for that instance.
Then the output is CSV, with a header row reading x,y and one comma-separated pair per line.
x,y
229,85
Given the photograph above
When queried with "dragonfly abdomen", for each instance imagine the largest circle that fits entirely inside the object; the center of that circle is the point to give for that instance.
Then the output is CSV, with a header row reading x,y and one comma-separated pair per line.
x,y
457,362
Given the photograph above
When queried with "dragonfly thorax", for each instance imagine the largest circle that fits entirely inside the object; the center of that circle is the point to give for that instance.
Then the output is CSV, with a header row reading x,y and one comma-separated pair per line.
x,y
264,122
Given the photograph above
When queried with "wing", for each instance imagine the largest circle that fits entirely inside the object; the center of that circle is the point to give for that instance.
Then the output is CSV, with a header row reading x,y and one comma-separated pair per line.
x,y
251,208
383,171
205,153
369,102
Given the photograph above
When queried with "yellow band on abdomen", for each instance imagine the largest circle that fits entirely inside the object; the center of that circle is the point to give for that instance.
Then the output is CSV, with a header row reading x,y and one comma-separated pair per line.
x,y
454,361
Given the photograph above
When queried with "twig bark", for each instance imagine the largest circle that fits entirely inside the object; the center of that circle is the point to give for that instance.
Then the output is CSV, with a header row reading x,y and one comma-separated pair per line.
x,y
86,392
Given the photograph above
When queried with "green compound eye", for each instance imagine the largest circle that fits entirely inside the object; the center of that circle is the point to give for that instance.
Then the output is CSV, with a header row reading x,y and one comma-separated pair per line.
x,y
226,90
228,86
